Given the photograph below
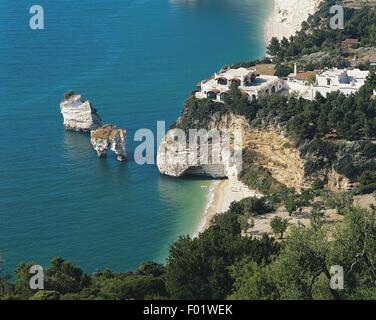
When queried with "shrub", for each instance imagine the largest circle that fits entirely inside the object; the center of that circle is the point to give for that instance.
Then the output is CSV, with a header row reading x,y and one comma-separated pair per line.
x,y
46,295
367,182
339,201
68,95
279,226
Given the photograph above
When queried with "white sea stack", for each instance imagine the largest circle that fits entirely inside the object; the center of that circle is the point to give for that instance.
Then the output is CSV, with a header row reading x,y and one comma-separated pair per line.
x,y
110,137
79,115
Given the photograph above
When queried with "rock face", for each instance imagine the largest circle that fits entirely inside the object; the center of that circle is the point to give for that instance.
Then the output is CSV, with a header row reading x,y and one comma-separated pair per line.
x,y
79,115
173,159
212,157
291,165
270,148
274,152
338,182
112,137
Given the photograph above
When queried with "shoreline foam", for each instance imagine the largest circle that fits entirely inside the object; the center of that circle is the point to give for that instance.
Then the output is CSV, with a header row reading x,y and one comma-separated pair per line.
x,y
221,194
211,204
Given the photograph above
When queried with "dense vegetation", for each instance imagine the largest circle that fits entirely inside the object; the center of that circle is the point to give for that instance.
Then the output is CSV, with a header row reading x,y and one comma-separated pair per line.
x,y
316,36
332,132
223,264
345,117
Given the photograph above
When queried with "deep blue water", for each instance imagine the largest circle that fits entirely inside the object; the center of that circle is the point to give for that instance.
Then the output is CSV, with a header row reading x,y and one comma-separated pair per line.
x,y
136,60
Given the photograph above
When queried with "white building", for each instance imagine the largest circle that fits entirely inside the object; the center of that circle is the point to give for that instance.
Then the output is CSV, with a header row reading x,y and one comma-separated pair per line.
x,y
343,80
329,80
300,82
347,81
251,84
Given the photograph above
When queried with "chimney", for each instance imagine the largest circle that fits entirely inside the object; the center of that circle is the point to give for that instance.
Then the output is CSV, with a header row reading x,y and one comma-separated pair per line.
x,y
295,69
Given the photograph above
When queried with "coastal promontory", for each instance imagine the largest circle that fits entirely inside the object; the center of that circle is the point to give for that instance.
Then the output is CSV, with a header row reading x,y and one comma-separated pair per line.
x,y
177,159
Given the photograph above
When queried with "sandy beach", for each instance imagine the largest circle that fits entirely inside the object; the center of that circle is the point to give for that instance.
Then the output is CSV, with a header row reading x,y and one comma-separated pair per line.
x,y
221,194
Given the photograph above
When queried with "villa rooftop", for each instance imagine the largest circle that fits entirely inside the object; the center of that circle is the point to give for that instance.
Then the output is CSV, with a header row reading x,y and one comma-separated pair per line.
x,y
246,79
332,72
355,73
234,73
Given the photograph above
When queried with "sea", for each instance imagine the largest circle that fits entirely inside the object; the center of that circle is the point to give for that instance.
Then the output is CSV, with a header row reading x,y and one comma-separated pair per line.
x,y
136,61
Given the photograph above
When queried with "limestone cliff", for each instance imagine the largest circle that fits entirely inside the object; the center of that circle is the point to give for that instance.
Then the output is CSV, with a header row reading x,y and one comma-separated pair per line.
x,y
296,166
270,150
267,153
211,156
112,137
79,115
275,153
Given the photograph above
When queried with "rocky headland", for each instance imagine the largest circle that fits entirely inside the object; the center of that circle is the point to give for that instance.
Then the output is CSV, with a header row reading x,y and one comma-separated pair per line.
x,y
174,157
276,154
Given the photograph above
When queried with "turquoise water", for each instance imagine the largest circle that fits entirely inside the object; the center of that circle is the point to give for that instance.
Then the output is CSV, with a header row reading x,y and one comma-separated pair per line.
x,y
136,60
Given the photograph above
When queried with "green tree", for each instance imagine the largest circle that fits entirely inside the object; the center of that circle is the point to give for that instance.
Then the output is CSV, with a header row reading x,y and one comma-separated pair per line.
x,y
298,268
253,282
22,283
339,201
283,70
151,269
367,181
246,223
46,295
237,100
279,226
132,287
317,216
63,277
68,95
274,47
4,280
199,268
290,205
354,248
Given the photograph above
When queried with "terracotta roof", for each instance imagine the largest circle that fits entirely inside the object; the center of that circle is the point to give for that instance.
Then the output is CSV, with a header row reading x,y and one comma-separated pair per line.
x,y
304,75
350,41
